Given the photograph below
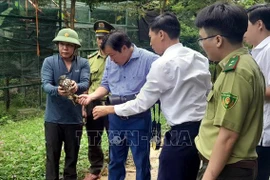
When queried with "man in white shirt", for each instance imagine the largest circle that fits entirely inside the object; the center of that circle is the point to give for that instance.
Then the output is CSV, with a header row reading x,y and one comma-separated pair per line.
x,y
258,35
180,79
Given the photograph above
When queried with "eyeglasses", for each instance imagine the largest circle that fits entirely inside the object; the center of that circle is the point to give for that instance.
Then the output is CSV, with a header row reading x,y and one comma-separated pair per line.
x,y
202,39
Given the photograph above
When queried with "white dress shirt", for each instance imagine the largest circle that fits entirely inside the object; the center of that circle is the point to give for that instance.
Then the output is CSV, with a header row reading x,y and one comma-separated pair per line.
x,y
180,79
261,54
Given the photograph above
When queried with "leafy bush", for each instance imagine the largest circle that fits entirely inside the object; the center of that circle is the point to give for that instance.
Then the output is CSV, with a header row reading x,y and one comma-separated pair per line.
x,y
7,116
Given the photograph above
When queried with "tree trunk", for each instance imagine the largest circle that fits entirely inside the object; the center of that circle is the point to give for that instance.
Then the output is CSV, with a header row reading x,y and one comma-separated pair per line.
x,y
162,6
7,94
65,14
72,14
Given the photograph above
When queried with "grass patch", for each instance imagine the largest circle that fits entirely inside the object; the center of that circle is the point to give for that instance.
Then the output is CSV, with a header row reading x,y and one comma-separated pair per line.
x,y
22,150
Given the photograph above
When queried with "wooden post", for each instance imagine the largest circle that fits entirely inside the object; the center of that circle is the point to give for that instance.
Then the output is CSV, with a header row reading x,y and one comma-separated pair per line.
x,y
7,95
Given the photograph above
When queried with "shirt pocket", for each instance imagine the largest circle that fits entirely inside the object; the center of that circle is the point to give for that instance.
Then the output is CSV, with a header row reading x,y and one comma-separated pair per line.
x,y
210,111
113,76
136,83
136,78
94,74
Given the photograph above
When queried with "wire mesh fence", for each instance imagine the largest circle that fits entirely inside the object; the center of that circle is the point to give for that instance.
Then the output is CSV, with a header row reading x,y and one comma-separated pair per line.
x,y
26,34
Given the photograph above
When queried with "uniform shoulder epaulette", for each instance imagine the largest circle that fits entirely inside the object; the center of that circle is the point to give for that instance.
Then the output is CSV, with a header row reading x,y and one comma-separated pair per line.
x,y
232,64
92,55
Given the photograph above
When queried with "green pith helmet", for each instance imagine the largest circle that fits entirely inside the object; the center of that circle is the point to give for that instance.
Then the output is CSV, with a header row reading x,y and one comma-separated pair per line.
x,y
67,35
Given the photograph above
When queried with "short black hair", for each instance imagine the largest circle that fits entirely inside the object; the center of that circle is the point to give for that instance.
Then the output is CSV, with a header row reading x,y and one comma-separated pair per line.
x,y
167,22
225,19
260,12
116,40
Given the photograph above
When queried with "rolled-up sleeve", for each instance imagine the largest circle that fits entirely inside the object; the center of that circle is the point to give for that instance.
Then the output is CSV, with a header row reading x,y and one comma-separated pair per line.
x,y
104,82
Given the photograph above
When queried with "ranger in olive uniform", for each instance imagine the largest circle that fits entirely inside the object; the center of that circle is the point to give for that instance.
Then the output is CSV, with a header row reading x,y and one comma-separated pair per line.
x,y
232,125
95,128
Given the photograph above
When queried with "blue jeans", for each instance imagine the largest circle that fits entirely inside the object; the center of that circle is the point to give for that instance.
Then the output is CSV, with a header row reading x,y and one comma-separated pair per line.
x,y
133,133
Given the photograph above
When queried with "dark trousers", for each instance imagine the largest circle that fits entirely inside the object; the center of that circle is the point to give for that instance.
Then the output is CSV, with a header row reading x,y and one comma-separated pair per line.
x,y
179,158
263,163
55,136
133,133
230,172
95,130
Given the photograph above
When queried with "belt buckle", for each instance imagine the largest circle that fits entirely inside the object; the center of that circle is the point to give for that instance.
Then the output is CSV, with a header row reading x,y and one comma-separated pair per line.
x,y
124,117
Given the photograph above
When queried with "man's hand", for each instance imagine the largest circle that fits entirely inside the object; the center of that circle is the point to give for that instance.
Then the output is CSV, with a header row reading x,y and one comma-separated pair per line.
x,y
84,113
100,111
221,152
74,87
84,99
61,91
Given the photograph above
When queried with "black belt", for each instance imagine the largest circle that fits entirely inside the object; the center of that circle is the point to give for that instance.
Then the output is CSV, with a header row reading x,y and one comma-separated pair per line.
x,y
249,164
183,125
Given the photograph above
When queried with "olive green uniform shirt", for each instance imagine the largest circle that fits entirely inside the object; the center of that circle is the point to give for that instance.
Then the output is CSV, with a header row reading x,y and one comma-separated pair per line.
x,y
235,103
97,65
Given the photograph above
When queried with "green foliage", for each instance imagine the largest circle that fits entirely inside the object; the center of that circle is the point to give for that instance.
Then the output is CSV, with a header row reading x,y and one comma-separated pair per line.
x,y
248,3
23,103
17,114
7,116
94,3
189,36
212,67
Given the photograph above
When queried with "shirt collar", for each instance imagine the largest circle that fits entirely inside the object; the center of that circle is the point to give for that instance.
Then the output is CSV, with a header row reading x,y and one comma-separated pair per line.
x,y
172,48
135,54
100,55
237,52
262,44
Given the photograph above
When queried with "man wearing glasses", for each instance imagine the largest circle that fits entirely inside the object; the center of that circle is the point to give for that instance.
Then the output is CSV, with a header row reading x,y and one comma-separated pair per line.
x,y
232,125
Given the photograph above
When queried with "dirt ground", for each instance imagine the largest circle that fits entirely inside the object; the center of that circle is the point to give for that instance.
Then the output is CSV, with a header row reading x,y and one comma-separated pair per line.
x,y
130,169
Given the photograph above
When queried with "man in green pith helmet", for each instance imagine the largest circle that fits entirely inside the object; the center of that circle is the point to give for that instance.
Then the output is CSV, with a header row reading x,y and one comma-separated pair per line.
x,y
63,118
95,128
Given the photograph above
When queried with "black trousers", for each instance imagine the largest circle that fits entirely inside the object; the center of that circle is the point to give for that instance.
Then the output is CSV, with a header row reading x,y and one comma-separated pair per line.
x,y
179,159
95,130
55,136
230,172
263,163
